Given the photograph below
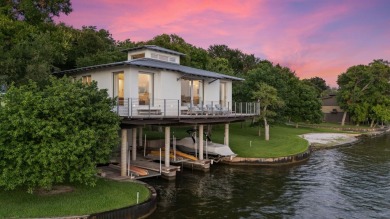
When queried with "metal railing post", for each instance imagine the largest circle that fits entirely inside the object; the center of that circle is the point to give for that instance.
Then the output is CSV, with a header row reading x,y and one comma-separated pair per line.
x,y
165,107
178,108
128,108
131,107
235,108
149,109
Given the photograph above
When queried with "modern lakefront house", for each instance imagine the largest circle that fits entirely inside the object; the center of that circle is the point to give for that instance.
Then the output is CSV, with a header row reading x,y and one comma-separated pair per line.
x,y
152,88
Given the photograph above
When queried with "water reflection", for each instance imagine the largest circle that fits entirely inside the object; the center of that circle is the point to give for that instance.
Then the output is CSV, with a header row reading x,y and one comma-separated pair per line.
x,y
351,182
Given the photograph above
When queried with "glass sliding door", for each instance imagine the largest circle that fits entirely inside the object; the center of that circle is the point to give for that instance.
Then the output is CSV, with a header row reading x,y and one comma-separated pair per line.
x,y
119,87
222,94
185,92
145,88
197,92
191,92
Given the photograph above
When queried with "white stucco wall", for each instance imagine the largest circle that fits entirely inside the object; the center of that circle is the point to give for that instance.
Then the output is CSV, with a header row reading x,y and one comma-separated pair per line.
x,y
211,91
166,85
170,87
104,78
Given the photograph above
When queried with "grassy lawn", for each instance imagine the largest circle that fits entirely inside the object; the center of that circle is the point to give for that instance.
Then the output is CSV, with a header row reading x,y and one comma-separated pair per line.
x,y
245,142
284,140
106,195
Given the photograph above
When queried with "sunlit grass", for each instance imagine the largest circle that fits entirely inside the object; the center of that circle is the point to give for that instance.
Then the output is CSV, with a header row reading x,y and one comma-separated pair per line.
x,y
84,200
244,139
284,140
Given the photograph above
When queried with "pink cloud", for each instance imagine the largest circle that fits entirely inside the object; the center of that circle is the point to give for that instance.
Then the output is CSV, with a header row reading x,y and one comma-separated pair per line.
x,y
307,40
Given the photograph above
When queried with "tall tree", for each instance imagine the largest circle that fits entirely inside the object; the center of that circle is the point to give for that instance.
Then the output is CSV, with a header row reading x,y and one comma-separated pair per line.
x,y
195,57
35,11
28,52
240,62
363,87
268,98
318,83
290,89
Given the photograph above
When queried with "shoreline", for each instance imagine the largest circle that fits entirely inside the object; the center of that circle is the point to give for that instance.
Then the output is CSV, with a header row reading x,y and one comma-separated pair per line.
x,y
316,141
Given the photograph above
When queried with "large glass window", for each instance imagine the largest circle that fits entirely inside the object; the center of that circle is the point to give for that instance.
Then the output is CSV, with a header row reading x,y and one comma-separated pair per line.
x,y
222,94
197,92
87,79
145,88
138,56
119,87
191,92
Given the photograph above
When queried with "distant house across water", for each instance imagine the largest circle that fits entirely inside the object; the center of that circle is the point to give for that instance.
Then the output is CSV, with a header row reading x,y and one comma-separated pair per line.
x,y
332,111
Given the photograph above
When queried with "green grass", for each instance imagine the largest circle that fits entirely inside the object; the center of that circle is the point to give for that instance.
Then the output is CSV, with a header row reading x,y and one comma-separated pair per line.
x,y
245,142
106,195
284,140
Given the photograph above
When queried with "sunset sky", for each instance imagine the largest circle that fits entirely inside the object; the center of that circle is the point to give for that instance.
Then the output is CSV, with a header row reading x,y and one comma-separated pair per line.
x,y
312,37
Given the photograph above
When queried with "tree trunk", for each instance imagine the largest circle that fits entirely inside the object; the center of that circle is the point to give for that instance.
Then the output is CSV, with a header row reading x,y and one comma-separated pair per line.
x,y
296,125
344,117
372,123
266,129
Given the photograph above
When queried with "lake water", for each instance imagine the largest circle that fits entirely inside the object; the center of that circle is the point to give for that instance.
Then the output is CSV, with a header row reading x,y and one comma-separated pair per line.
x,y
347,182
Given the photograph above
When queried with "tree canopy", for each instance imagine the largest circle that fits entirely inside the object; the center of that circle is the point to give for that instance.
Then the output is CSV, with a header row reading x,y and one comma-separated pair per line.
x,y
301,102
364,92
269,99
55,133
318,83
35,11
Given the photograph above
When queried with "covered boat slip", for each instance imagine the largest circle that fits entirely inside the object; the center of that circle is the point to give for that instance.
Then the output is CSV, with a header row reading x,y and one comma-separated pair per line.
x,y
128,155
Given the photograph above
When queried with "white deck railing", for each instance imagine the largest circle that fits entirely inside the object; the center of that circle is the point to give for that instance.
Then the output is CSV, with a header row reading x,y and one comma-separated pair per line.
x,y
133,107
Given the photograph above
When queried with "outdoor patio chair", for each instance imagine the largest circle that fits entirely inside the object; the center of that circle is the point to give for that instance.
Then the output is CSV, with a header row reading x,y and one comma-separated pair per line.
x,y
202,108
221,110
211,110
193,110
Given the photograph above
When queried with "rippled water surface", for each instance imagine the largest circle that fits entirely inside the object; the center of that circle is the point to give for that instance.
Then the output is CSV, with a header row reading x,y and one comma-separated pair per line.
x,y
348,182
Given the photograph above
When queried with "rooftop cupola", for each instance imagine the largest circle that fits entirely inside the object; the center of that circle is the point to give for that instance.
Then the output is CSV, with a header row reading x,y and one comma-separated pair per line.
x,y
154,52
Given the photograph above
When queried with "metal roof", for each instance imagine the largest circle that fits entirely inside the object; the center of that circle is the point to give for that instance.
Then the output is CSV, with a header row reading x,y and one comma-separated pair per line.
x,y
157,64
155,48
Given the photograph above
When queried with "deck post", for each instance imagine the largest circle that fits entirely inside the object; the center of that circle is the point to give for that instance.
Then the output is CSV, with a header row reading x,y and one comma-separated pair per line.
x,y
140,142
167,145
200,142
226,138
123,152
134,145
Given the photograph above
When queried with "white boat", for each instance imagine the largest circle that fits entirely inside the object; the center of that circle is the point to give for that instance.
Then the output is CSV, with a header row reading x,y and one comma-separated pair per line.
x,y
190,145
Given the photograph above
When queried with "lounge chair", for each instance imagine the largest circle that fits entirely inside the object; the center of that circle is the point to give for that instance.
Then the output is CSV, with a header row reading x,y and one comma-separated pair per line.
x,y
193,110
222,110
210,109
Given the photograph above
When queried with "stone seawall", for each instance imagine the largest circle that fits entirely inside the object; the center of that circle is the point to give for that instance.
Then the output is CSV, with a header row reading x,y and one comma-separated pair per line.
x,y
276,161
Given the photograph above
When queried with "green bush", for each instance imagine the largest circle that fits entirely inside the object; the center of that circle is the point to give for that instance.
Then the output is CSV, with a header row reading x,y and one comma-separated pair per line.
x,y
55,133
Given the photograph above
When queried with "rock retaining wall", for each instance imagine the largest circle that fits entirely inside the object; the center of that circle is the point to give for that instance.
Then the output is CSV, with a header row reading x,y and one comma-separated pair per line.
x,y
270,161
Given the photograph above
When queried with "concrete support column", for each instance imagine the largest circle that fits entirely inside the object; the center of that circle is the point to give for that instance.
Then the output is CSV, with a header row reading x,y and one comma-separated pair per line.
x,y
140,142
167,145
134,145
200,142
123,152
226,139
